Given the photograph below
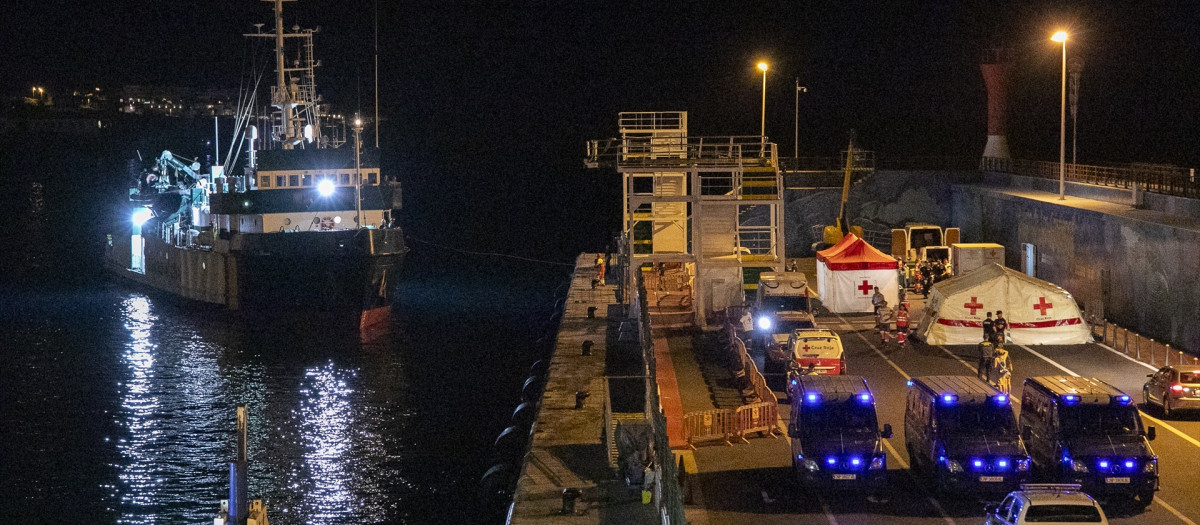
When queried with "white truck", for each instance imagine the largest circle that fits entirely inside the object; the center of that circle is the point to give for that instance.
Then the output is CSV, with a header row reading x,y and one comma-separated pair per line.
x,y
919,242
965,257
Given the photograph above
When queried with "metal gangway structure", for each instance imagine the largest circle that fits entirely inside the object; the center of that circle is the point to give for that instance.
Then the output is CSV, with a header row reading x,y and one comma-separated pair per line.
x,y
712,206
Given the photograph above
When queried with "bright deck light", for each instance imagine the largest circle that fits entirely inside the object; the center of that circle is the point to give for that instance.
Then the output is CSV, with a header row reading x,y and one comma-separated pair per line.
x,y
1060,36
141,215
325,187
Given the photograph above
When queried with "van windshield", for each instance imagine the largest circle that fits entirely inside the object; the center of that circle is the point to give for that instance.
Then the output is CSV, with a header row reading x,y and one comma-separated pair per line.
x,y
847,416
985,419
1098,420
785,303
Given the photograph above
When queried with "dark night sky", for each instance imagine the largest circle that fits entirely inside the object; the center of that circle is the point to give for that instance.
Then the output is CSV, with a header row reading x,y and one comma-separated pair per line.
x,y
499,97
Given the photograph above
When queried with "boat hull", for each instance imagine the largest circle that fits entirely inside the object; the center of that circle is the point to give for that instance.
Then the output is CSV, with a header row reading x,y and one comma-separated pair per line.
x,y
346,275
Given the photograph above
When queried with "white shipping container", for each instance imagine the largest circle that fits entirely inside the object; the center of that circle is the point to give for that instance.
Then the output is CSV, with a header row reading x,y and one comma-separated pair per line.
x,y
965,257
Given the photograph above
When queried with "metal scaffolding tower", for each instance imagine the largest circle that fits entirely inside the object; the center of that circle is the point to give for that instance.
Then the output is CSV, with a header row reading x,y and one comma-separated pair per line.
x,y
711,204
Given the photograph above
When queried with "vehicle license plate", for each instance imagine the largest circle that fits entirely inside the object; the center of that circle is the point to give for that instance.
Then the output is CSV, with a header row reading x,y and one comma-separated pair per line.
x,y
1116,480
844,476
991,479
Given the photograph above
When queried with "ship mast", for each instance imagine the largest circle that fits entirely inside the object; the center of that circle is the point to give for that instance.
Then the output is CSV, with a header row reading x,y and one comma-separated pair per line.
x,y
296,99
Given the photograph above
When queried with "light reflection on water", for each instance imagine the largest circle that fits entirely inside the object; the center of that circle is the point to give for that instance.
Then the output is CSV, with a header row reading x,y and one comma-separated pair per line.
x,y
319,434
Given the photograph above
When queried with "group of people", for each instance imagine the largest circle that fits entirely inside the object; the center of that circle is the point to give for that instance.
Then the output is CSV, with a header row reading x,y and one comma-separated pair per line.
x,y
927,273
885,316
995,367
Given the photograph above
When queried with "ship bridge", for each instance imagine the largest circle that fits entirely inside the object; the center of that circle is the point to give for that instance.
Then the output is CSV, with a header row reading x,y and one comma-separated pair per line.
x,y
709,206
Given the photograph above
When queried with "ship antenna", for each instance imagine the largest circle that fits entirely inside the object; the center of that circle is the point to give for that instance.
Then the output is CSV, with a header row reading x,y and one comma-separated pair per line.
x,y
376,74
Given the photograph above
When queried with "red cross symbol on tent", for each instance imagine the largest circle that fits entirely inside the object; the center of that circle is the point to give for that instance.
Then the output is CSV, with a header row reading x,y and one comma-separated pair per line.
x,y
973,305
865,287
1043,305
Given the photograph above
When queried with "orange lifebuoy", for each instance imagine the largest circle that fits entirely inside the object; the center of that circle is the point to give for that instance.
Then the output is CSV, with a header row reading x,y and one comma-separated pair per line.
x,y
327,223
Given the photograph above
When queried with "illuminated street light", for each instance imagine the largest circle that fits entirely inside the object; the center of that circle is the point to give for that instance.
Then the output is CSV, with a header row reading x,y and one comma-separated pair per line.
x,y
763,129
1061,36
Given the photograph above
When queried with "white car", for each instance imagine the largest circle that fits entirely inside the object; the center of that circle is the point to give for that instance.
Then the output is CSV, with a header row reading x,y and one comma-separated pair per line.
x,y
1046,503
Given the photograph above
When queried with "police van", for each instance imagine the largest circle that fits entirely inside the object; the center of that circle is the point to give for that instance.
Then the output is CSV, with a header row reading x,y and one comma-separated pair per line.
x,y
963,434
1083,430
836,440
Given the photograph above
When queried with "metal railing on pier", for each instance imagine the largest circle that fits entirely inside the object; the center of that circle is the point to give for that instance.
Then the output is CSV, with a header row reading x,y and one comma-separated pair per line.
x,y
1154,178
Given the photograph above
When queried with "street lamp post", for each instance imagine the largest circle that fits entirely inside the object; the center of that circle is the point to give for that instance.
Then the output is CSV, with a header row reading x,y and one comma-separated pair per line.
x,y
1061,36
763,130
1076,68
796,146
358,126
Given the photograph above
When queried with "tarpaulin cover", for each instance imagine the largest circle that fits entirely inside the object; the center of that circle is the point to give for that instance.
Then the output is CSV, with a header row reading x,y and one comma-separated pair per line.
x,y
848,273
1038,312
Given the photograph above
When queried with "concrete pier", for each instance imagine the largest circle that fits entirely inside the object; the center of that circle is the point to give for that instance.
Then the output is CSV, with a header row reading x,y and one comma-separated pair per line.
x,y
568,449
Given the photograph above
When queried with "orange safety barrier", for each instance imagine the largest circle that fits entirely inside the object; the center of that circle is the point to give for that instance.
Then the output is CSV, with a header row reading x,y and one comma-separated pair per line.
x,y
756,417
708,424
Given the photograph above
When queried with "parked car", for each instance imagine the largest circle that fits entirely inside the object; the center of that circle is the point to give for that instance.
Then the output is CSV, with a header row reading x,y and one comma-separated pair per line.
x,y
1172,389
1047,504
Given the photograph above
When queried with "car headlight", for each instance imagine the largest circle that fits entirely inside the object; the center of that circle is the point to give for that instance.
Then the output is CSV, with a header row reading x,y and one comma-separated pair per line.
x,y
953,465
878,462
764,323
1151,467
810,465
1023,465
1079,466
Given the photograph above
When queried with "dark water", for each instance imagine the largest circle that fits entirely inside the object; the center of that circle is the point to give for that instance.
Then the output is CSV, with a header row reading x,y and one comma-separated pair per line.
x,y
119,403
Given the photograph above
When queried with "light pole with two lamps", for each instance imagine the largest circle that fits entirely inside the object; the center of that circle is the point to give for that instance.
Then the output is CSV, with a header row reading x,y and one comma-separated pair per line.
x,y
1061,36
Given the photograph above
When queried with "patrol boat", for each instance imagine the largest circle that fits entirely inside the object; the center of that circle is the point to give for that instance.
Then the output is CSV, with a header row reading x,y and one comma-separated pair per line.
x,y
305,224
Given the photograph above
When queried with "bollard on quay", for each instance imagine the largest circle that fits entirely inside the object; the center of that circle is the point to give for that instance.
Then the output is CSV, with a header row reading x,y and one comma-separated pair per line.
x,y
568,499
591,312
580,396
587,347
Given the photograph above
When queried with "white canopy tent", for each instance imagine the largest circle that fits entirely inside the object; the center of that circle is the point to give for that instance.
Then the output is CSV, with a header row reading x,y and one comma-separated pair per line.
x,y
848,273
1038,312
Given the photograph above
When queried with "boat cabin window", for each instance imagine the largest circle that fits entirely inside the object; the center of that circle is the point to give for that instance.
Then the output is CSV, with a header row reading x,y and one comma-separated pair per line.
x,y
345,179
306,180
293,180
265,181
372,178
280,181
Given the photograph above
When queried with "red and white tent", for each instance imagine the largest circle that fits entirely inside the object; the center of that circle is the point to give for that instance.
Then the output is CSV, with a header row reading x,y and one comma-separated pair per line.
x,y
848,273
1038,312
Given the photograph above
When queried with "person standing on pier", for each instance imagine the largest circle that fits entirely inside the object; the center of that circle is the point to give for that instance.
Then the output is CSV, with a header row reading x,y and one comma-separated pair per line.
x,y
1000,327
989,329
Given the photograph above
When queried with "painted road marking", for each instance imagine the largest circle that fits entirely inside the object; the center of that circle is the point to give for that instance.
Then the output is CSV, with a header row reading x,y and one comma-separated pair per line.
x,y
946,517
1122,354
1176,431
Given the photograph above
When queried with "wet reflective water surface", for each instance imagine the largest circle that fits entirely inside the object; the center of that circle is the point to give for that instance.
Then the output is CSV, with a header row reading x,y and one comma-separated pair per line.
x,y
120,404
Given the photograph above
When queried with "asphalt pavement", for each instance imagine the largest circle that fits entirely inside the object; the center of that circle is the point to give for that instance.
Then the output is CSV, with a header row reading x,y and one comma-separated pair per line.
x,y
753,482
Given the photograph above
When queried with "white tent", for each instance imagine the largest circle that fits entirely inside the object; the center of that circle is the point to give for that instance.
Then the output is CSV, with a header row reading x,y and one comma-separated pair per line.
x,y
848,273
1038,312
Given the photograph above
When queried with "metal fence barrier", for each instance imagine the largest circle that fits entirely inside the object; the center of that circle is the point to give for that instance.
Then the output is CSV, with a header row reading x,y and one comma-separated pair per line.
x,y
760,413
1137,346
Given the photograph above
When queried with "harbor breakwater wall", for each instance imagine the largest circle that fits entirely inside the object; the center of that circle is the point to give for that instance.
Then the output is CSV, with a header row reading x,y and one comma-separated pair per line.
x,y
1136,264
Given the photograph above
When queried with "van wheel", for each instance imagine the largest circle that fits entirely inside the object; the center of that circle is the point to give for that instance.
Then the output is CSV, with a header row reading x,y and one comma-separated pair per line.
x,y
1144,499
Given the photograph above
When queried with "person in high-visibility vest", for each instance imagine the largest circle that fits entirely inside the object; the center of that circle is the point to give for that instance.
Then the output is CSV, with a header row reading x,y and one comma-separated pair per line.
x,y
883,321
902,323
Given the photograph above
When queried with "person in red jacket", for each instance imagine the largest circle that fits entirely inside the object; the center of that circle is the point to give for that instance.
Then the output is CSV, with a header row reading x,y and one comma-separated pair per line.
x,y
902,323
